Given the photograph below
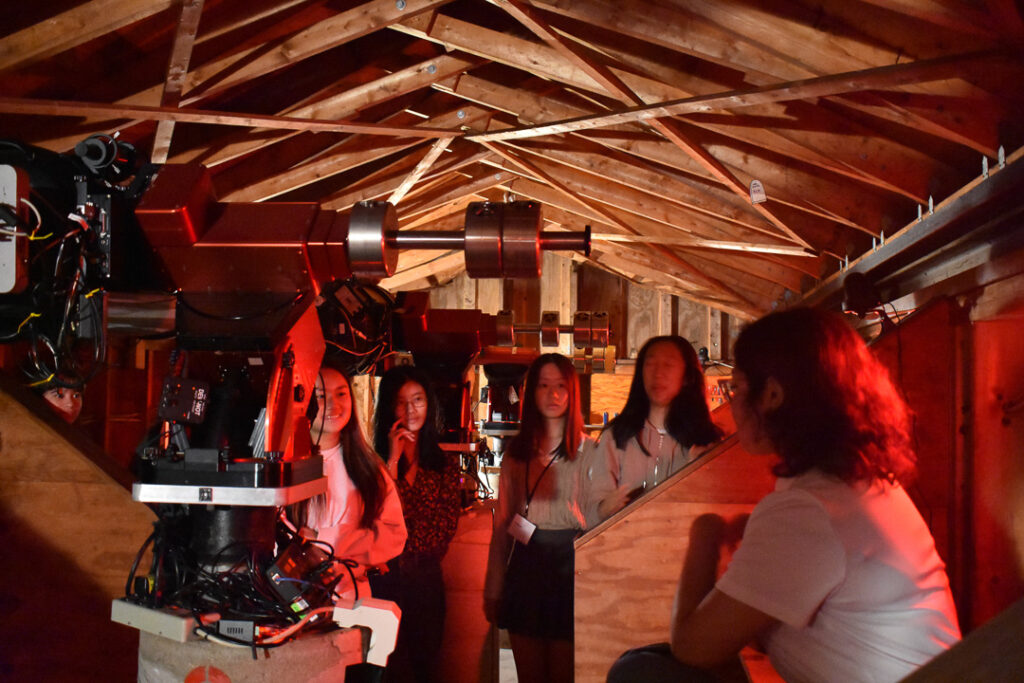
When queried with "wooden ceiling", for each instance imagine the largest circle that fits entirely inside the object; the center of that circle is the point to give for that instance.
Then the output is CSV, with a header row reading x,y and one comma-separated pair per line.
x,y
647,121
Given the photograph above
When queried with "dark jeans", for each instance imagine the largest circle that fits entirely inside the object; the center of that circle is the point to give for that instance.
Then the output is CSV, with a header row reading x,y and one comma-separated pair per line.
x,y
655,664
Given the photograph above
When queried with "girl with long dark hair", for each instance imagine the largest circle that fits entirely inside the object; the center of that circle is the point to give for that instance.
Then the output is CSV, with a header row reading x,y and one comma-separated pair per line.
x,y
406,424
664,425
531,593
837,573
360,515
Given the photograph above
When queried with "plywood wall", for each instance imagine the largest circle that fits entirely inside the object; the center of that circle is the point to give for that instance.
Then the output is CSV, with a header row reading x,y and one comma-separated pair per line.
x,y
997,445
627,569
68,533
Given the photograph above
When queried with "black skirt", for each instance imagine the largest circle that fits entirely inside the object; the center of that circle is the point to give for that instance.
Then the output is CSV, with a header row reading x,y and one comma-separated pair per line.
x,y
537,599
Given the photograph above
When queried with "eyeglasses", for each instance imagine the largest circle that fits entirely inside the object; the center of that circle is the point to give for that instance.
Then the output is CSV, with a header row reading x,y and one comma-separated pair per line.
x,y
416,402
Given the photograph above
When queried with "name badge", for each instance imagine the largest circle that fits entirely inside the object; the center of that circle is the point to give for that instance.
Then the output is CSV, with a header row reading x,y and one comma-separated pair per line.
x,y
521,529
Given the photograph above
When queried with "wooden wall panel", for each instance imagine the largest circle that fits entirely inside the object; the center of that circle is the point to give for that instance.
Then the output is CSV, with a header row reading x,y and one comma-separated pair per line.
x,y
628,567
488,295
650,315
555,295
522,297
469,652
600,291
69,534
923,358
692,322
608,393
997,490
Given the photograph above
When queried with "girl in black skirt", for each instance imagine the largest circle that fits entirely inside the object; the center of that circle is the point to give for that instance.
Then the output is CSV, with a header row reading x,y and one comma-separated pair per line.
x,y
529,588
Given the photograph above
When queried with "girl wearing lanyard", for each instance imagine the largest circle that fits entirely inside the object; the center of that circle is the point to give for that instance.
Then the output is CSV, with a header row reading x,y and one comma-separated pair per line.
x,y
664,425
530,593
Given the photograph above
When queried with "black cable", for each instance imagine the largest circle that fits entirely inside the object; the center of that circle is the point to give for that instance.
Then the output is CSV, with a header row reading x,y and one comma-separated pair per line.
x,y
128,586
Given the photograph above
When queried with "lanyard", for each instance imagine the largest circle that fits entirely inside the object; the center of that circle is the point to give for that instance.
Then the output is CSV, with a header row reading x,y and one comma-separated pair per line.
x,y
529,491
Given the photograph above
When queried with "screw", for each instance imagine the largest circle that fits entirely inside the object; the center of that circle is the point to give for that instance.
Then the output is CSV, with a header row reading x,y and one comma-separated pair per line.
x,y
400,4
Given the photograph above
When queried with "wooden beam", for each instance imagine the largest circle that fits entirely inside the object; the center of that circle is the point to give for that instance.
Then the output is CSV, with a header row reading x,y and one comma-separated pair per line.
x,y
707,244
425,163
344,27
181,54
456,189
955,15
443,212
818,194
836,84
609,193
614,86
349,102
887,165
702,198
449,262
248,19
15,105
572,214
812,51
530,168
74,27
353,152
379,184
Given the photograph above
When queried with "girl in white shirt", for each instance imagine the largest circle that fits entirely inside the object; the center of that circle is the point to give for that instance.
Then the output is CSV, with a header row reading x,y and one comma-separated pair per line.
x,y
360,516
837,574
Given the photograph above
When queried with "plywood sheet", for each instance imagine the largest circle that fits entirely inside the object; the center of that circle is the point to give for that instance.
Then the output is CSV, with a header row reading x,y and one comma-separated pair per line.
x,y
628,567
69,534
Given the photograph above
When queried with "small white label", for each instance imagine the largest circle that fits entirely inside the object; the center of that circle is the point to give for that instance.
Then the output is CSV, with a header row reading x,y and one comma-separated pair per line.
x,y
521,529
757,194
9,265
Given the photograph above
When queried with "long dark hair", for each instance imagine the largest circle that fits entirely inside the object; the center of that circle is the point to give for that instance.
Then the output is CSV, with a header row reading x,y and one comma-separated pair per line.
x,y
531,427
361,463
689,420
840,412
428,438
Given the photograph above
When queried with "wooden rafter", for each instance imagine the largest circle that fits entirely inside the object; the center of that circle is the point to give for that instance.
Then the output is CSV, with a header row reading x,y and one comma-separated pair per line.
x,y
436,150
353,152
614,85
454,191
379,184
339,29
444,264
879,167
793,185
181,53
350,101
867,79
74,27
707,244
14,105
515,159
539,191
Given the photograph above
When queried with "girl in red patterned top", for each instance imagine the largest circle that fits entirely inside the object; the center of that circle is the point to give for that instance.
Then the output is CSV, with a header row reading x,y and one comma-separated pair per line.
x,y
406,435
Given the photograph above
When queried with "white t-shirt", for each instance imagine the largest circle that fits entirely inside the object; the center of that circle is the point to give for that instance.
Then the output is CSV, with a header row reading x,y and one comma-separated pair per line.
x,y
852,574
